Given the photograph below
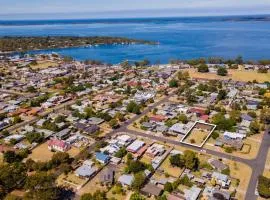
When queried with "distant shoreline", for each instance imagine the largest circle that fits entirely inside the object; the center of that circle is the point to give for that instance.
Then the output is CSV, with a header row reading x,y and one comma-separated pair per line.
x,y
10,45
29,22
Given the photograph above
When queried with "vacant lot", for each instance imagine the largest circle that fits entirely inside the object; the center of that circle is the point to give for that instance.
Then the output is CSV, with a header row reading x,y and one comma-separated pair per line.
x,y
41,153
236,75
44,65
196,137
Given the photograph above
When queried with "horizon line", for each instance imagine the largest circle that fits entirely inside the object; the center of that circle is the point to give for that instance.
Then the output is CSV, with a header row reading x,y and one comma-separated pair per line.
x,y
124,17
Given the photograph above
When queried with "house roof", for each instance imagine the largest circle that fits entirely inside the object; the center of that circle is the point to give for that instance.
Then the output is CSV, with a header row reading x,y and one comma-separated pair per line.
x,y
218,164
135,146
126,179
85,171
95,120
246,117
158,118
193,193
102,157
59,143
151,189
107,175
220,176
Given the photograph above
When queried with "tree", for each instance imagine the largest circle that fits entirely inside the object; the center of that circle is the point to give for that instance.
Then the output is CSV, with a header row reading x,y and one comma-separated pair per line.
x,y
89,112
185,181
17,119
215,135
59,158
183,118
11,157
203,68
222,71
223,123
168,187
98,195
135,166
133,107
12,176
263,186
120,116
34,137
41,186
138,180
221,95
177,160
59,119
121,153
191,160
265,115
173,83
114,123
136,196
254,127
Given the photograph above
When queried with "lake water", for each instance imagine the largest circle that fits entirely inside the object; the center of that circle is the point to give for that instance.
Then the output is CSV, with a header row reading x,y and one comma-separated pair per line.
x,y
179,38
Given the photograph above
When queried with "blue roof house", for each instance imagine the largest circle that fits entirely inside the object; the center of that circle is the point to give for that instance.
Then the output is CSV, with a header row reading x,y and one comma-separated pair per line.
x,y
102,158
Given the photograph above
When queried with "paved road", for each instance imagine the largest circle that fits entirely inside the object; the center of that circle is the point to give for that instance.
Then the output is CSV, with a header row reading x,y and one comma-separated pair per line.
x,y
13,92
258,165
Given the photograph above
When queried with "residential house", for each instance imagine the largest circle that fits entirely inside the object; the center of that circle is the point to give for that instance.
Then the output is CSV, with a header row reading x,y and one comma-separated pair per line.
x,y
221,179
193,193
217,164
58,145
135,146
126,179
102,158
106,176
155,150
151,189
87,170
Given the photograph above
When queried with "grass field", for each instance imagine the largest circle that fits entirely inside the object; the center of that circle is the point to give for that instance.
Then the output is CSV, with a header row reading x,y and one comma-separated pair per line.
x,y
41,153
235,75
196,137
44,65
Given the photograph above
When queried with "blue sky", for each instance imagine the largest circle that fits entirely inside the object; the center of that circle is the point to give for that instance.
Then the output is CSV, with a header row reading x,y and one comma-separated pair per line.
x,y
33,9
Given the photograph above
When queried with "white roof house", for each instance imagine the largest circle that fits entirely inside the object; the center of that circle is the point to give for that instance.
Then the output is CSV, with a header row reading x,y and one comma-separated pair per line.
x,y
193,193
126,179
124,139
234,136
181,128
135,146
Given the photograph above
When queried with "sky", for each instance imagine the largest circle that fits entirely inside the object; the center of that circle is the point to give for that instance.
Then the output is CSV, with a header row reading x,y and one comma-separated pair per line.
x,y
48,9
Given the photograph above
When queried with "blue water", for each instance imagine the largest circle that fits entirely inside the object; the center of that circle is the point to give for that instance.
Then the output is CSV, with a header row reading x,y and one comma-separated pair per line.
x,y
179,38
